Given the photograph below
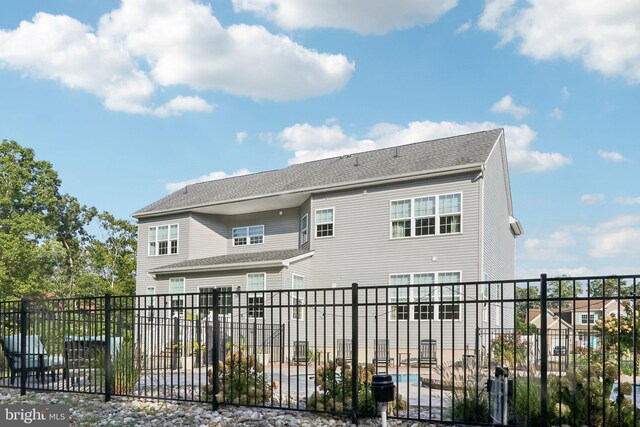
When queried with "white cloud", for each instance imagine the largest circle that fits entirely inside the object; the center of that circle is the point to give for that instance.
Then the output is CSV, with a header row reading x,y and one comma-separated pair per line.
x,y
507,106
603,35
464,27
591,199
361,16
183,104
611,156
618,237
564,93
175,186
628,201
146,44
241,136
557,113
555,246
316,142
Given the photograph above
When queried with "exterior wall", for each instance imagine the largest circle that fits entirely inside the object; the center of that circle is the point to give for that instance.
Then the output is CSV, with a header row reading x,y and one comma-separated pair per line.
x,y
207,235
146,262
498,242
362,251
280,231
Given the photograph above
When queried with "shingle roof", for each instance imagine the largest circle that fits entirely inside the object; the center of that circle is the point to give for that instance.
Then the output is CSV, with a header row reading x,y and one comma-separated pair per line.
x,y
242,258
439,154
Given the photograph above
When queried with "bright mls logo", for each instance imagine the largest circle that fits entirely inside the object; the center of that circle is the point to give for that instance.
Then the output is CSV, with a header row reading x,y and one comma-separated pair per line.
x,y
34,415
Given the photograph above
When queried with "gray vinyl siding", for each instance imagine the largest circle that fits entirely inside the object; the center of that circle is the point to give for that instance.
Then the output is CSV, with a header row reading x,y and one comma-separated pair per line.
x,y
207,235
498,242
280,231
362,251
146,262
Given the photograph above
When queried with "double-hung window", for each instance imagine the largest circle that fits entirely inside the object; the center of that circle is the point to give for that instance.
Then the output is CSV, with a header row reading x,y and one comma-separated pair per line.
x,y
163,240
399,296
588,319
253,235
450,210
256,283
225,301
176,289
324,222
426,216
297,297
304,229
451,294
424,296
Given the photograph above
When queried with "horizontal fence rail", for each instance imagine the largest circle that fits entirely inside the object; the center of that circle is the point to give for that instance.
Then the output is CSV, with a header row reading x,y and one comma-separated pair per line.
x,y
544,351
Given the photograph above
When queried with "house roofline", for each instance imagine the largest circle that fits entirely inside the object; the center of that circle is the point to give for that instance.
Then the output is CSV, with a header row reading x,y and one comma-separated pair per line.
x,y
323,188
233,266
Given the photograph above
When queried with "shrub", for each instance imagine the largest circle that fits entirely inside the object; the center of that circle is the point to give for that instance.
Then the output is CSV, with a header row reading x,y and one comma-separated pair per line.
x,y
242,380
125,368
333,383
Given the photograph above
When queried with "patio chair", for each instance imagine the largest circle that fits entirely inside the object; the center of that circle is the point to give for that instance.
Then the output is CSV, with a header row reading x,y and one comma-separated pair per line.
x,y
300,353
381,357
344,350
84,356
37,358
428,351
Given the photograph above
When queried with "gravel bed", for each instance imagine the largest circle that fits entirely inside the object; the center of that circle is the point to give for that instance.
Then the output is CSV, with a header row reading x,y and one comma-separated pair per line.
x,y
91,410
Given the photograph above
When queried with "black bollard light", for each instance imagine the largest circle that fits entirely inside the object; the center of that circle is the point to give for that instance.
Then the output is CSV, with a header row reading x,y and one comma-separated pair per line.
x,y
383,390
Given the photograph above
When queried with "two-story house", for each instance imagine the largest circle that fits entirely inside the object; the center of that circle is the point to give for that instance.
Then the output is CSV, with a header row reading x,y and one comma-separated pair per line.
x,y
430,212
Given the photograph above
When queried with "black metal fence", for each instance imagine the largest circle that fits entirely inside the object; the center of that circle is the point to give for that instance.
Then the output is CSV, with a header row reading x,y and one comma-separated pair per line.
x,y
569,345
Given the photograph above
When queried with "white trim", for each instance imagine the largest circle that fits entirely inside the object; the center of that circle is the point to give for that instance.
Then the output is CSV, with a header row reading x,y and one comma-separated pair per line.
x,y
168,225
248,237
436,216
333,222
330,187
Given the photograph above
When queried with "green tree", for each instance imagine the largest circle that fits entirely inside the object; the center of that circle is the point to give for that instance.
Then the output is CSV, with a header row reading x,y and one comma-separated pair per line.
x,y
612,286
45,246
28,201
111,259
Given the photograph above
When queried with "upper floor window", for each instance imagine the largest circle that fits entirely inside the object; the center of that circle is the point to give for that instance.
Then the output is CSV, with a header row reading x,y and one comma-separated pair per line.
x,y
588,319
253,235
304,229
324,222
424,216
163,240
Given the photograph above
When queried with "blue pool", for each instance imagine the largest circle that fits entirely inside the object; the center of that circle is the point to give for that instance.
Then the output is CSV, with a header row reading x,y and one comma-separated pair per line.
x,y
404,378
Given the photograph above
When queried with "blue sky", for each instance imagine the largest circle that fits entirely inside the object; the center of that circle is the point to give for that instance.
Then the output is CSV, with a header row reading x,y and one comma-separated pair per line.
x,y
129,99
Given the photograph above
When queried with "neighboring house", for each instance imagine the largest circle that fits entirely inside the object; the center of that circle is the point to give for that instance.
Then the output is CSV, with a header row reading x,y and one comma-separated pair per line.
x,y
560,336
429,212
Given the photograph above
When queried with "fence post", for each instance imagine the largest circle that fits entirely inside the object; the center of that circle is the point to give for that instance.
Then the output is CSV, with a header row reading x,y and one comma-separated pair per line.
x,y
23,346
354,353
215,310
107,352
543,350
